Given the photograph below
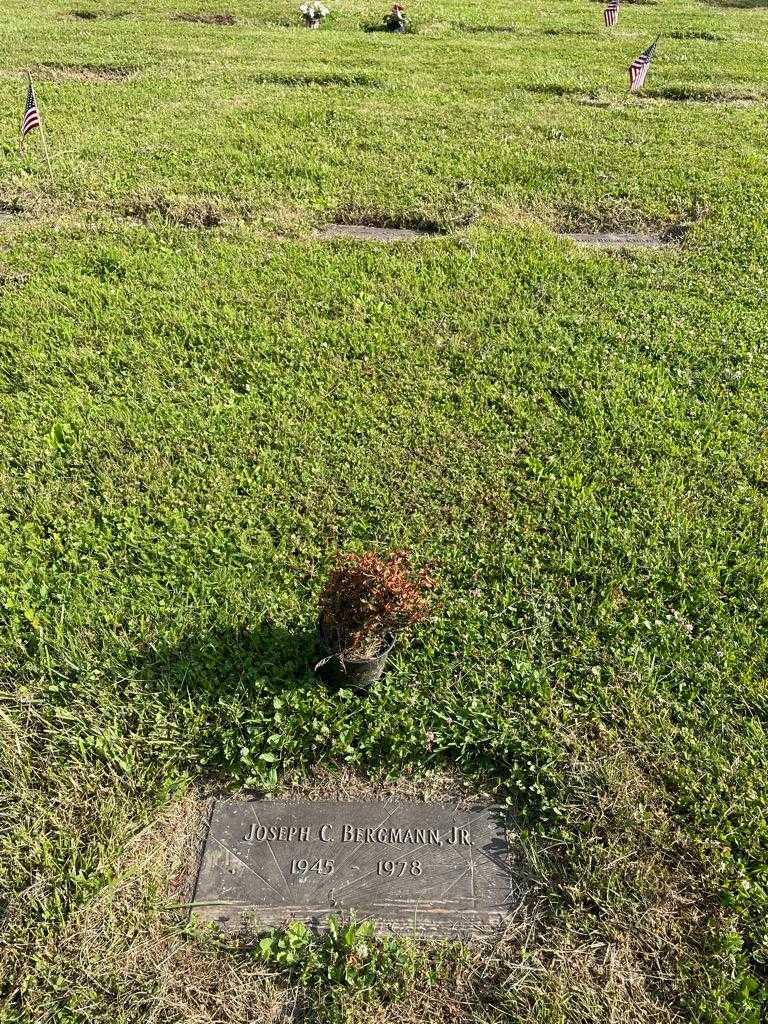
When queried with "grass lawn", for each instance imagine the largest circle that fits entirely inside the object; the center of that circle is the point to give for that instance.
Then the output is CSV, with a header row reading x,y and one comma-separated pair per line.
x,y
200,404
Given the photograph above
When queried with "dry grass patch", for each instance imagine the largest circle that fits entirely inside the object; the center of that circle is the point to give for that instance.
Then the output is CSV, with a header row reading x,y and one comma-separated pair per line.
x,y
439,786
131,944
634,904
569,33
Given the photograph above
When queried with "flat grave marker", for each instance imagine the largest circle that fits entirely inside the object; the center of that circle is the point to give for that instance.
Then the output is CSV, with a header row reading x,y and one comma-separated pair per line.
x,y
423,869
616,240
372,233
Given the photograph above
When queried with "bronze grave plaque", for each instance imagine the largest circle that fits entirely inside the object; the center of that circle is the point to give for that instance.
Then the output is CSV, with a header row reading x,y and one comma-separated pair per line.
x,y
424,869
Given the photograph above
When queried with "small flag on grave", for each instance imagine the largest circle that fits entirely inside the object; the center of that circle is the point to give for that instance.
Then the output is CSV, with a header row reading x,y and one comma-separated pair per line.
x,y
31,118
611,13
638,69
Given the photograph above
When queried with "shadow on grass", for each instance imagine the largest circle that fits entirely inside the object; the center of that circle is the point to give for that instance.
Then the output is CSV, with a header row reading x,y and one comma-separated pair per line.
x,y
227,660
380,26
241,701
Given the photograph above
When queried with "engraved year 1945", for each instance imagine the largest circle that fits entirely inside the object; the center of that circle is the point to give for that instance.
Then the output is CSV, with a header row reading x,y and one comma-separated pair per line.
x,y
302,866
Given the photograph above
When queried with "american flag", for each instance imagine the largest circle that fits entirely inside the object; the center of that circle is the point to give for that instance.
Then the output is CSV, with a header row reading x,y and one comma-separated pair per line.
x,y
638,69
31,117
611,13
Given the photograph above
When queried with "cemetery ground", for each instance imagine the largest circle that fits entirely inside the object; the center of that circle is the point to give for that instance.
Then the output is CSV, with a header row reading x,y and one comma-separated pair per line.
x,y
201,402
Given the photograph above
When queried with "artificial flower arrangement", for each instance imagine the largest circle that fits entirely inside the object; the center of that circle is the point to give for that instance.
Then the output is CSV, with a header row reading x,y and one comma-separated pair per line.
x,y
396,21
312,14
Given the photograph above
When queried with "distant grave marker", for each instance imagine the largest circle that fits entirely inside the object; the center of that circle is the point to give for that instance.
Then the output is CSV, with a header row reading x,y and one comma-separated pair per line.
x,y
9,213
425,869
487,29
208,18
85,72
328,80
616,240
372,233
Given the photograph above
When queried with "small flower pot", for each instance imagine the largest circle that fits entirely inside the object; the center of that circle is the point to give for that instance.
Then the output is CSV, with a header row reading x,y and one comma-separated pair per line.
x,y
345,672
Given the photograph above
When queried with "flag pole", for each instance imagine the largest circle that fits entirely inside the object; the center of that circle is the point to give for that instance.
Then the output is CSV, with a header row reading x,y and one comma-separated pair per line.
x,y
43,136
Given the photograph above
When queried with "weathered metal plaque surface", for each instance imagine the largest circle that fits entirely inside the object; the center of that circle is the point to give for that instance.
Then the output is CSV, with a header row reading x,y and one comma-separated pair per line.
x,y
418,868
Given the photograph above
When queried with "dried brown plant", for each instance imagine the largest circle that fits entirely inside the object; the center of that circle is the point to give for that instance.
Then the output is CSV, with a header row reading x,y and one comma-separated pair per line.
x,y
368,599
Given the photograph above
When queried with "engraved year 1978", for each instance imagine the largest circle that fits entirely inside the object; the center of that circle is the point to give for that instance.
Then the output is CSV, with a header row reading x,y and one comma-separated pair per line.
x,y
398,868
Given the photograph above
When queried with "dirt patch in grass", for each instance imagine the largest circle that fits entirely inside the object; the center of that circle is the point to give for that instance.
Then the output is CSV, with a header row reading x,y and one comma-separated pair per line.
x,y
176,211
85,72
598,99
671,93
130,937
84,15
207,18
381,26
